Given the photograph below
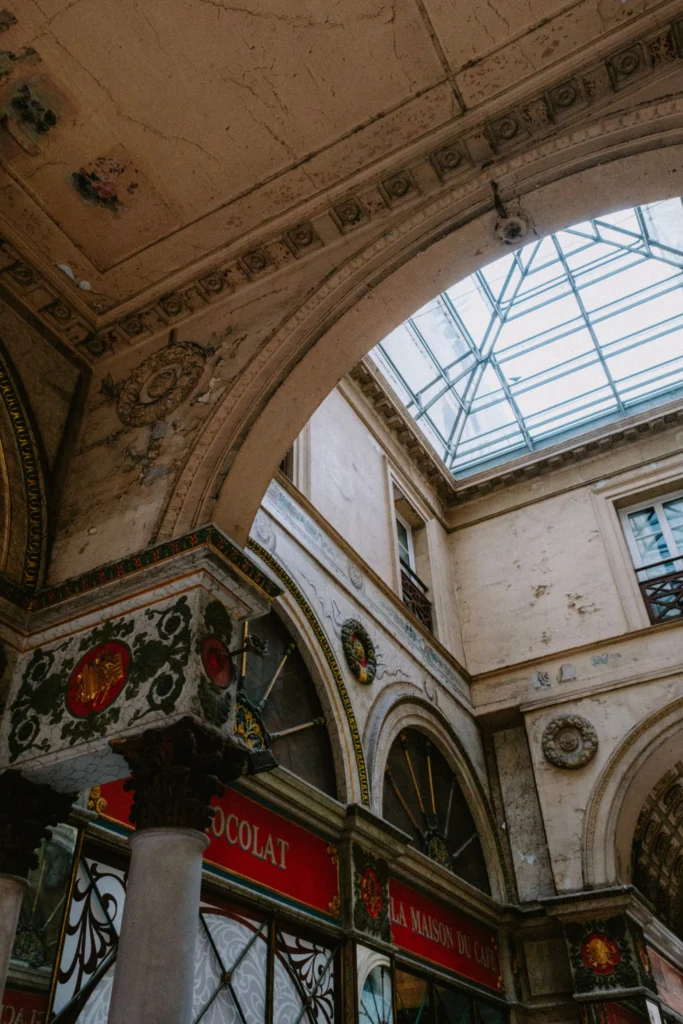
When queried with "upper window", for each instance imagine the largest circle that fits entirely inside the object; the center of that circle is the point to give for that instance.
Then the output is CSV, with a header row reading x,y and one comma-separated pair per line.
x,y
569,332
654,533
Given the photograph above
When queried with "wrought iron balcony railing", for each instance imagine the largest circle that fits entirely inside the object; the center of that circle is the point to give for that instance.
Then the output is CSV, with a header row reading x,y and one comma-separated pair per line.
x,y
661,584
415,597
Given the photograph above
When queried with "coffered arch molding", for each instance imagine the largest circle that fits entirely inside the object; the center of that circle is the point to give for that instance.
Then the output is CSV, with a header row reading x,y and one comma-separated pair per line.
x,y
559,182
634,768
401,707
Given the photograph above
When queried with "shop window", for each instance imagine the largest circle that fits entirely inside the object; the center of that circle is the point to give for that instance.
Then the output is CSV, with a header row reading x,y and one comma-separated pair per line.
x,y
654,533
376,1000
249,967
419,1001
413,560
279,711
422,797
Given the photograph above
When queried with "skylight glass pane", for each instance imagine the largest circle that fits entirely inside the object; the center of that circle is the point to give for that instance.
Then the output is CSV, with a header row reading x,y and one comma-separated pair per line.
x,y
572,329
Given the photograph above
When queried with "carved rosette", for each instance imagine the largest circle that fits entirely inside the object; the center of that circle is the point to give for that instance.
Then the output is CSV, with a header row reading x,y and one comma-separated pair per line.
x,y
175,773
27,811
603,955
359,651
161,383
569,741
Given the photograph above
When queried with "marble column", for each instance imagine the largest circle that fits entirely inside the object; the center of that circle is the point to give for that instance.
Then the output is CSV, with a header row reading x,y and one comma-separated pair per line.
x,y
27,811
175,772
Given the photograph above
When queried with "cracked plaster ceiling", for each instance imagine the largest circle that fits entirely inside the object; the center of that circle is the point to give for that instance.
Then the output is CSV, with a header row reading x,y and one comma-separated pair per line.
x,y
137,140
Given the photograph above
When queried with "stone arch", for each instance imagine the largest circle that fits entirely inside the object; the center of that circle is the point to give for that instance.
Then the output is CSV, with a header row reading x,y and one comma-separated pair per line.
x,y
23,507
558,182
349,760
400,706
624,784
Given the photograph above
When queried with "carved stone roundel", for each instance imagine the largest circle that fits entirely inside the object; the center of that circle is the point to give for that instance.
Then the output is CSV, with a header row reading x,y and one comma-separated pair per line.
x,y
569,741
161,383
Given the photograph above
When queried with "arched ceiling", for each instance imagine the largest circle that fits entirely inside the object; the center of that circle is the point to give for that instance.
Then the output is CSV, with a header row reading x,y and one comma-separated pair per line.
x,y
657,854
157,157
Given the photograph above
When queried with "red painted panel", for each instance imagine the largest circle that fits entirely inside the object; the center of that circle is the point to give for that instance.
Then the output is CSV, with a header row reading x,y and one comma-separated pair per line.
x,y
436,933
253,842
669,981
22,1007
617,1014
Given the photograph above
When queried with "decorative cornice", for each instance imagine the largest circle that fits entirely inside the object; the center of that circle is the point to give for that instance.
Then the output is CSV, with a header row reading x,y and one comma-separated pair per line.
x,y
451,492
458,160
207,536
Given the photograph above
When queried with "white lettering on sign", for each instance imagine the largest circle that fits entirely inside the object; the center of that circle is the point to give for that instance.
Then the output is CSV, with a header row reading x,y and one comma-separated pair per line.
x,y
432,929
241,832
435,930
397,915
12,1015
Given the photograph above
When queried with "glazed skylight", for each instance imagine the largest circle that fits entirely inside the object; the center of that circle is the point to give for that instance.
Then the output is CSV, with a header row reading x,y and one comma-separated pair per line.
x,y
567,333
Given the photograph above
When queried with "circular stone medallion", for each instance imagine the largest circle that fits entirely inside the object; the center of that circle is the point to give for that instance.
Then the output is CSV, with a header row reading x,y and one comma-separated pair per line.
x,y
371,893
569,741
216,661
98,679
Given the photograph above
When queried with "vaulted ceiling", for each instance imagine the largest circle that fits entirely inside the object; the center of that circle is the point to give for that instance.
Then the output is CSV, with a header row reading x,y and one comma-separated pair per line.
x,y
148,147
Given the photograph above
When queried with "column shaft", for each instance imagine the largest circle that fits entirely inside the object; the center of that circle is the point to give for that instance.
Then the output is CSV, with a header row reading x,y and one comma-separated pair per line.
x,y
12,889
153,979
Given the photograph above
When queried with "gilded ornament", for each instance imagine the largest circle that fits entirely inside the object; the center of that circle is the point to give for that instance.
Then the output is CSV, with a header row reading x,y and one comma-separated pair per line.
x,y
97,679
96,801
371,893
569,741
359,651
600,954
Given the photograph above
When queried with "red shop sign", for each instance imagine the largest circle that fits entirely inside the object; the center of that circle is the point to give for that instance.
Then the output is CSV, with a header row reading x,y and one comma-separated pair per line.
x,y
615,1013
436,933
22,1007
253,842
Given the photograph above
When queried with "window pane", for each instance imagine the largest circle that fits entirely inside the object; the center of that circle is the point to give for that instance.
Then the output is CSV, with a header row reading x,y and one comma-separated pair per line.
x,y
376,1005
647,533
486,1014
456,1008
413,1005
673,511
403,542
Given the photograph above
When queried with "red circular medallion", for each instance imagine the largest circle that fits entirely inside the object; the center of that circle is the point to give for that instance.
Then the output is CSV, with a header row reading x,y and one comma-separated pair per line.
x,y
216,661
371,892
98,679
600,954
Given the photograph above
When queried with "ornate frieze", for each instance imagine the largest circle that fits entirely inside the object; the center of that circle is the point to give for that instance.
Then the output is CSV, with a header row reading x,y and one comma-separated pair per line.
x,y
149,662
604,954
161,383
569,741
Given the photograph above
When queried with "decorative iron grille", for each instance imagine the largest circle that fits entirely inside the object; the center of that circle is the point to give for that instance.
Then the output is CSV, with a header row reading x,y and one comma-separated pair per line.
x,y
415,597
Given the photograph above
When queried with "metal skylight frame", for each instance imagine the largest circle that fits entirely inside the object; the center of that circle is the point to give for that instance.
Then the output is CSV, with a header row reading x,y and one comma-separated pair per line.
x,y
472,427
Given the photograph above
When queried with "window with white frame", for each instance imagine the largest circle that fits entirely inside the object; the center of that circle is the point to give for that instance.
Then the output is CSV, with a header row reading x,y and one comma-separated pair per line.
x,y
654,534
404,536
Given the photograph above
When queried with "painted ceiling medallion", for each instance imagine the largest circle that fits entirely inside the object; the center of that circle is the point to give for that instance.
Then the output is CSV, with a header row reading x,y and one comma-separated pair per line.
x,y
359,651
161,383
98,679
569,741
600,954
371,893
216,661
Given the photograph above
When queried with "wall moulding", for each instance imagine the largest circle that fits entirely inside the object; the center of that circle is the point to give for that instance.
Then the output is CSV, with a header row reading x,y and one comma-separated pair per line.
x,y
376,276
452,158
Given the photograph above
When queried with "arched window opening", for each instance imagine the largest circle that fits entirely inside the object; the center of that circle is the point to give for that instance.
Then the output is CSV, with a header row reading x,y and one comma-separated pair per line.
x,y
423,797
279,711
657,852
